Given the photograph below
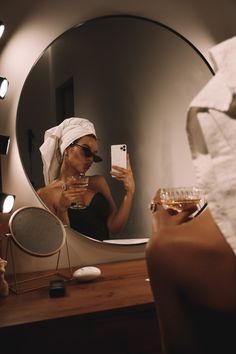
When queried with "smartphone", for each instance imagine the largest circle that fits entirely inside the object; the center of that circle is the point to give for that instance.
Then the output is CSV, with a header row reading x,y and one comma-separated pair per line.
x,y
119,155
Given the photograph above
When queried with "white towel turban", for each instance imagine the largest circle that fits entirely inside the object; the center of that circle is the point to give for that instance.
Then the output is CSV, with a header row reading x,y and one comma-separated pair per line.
x,y
57,139
211,129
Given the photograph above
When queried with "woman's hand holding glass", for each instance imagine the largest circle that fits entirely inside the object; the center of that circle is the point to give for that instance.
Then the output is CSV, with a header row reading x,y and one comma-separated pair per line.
x,y
73,191
182,198
173,206
125,175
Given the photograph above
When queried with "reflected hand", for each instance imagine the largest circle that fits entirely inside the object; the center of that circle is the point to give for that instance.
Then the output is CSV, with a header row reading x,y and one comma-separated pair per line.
x,y
70,193
125,175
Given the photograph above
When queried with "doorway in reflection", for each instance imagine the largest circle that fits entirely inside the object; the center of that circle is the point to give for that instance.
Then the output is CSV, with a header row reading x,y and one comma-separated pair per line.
x,y
65,105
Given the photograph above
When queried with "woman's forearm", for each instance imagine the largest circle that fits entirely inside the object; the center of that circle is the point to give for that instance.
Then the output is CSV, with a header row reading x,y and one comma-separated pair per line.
x,y
118,220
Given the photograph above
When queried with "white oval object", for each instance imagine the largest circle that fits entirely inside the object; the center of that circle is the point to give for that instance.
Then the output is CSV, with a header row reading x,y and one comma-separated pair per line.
x,y
87,273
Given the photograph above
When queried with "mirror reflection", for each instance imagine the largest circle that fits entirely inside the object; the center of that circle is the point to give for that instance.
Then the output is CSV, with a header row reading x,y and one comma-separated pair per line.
x,y
84,202
131,77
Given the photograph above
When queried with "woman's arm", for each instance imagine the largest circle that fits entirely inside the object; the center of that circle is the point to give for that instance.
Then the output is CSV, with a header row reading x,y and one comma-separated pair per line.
x,y
118,217
58,197
192,273
53,197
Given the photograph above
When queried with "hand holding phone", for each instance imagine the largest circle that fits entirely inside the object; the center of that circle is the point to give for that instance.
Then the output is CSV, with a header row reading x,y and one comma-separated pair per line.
x,y
119,155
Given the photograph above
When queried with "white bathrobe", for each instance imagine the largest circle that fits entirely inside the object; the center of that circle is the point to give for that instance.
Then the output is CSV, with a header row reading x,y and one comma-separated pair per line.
x,y
211,129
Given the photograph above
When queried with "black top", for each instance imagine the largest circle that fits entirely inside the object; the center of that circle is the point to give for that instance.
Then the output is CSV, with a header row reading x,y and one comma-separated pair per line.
x,y
91,221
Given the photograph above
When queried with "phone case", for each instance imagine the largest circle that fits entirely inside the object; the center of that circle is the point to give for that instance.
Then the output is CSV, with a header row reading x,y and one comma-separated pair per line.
x,y
119,155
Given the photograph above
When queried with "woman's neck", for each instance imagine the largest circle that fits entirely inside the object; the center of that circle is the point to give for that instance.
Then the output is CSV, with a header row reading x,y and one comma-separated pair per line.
x,y
66,172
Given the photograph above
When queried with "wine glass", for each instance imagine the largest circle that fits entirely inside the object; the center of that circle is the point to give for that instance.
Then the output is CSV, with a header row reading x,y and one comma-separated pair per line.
x,y
182,198
80,181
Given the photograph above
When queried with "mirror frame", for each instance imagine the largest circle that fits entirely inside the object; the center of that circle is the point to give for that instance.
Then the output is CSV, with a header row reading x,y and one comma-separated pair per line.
x,y
171,30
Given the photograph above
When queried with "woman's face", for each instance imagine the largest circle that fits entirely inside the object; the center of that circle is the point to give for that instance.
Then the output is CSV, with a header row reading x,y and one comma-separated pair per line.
x,y
77,158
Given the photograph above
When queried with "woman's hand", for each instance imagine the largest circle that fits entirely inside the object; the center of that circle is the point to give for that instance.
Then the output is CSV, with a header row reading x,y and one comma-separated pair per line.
x,y
125,175
70,193
167,217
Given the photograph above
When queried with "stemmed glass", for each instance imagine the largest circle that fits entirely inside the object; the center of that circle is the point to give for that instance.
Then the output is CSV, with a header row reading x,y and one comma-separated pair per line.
x,y
80,181
182,198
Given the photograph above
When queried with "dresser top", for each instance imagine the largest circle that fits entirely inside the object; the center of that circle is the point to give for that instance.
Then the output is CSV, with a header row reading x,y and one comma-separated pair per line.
x,y
121,285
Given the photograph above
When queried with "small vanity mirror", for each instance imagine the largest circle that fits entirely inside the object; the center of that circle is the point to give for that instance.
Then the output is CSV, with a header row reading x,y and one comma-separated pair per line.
x,y
134,79
38,233
37,241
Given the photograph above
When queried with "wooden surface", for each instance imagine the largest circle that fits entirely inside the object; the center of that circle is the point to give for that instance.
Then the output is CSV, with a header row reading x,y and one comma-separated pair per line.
x,y
114,314
121,285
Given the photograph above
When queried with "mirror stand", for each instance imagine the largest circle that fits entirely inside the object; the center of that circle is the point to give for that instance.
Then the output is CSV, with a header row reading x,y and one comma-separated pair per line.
x,y
35,239
28,282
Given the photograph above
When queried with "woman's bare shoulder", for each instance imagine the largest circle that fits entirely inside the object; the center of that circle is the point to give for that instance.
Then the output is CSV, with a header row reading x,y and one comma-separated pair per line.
x,y
97,178
50,190
42,191
97,181
46,194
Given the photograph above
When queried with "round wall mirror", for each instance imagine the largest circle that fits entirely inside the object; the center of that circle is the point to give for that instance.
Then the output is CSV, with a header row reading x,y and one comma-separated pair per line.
x,y
134,79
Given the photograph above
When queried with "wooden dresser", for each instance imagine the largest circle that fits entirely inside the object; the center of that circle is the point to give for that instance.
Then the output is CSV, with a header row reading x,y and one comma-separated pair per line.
x,y
114,314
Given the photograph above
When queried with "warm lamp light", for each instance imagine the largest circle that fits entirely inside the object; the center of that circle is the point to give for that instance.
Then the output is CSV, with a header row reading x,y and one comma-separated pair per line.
x,y
2,28
6,202
3,87
3,81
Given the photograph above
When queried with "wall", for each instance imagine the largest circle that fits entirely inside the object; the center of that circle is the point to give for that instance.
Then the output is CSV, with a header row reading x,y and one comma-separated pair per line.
x,y
31,26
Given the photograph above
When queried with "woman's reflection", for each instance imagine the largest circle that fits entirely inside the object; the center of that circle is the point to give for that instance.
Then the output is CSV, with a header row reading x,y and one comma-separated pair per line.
x,y
69,150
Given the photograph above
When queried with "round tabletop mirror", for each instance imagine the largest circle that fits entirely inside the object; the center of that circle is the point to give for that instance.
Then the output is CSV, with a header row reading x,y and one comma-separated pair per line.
x,y
134,79
37,231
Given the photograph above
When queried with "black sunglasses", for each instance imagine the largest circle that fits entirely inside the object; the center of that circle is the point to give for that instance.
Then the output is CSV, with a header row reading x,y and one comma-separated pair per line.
x,y
88,153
